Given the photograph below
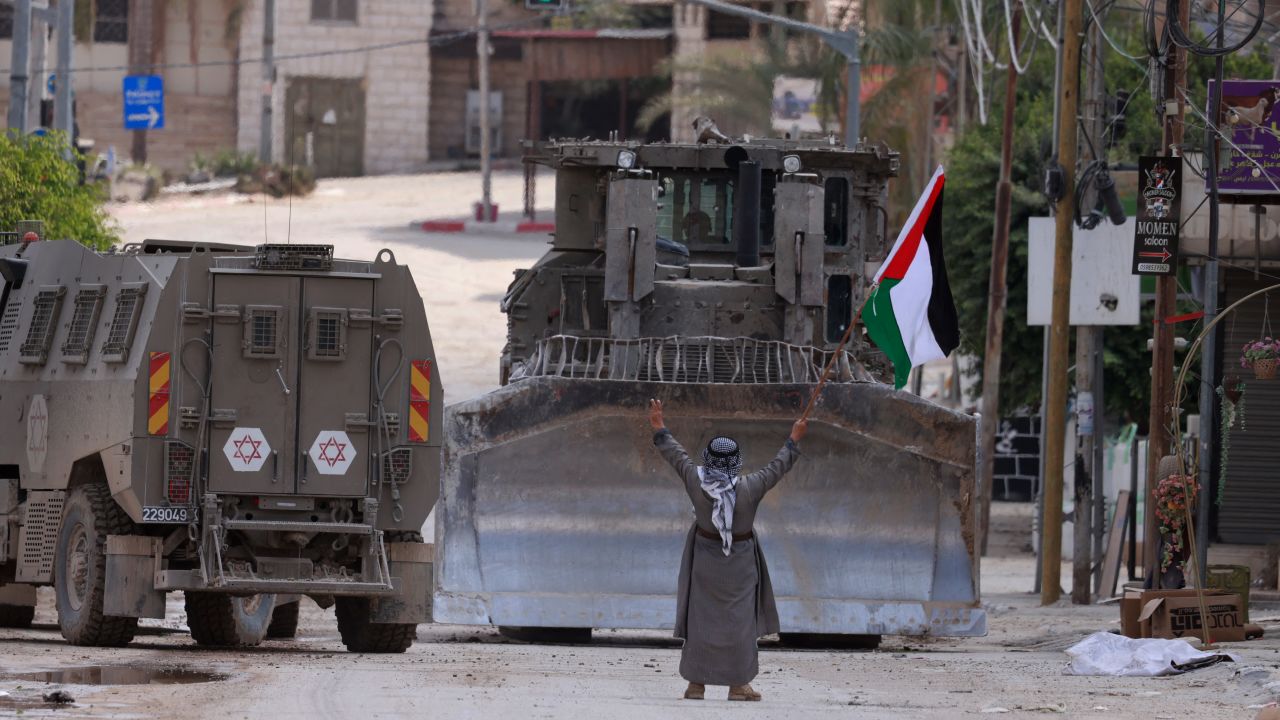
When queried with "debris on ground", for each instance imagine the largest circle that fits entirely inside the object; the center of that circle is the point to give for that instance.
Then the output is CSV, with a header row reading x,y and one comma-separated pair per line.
x,y
59,697
1104,653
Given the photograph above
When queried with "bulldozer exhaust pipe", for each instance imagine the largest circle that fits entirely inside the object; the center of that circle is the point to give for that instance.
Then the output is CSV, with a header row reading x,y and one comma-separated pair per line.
x,y
746,213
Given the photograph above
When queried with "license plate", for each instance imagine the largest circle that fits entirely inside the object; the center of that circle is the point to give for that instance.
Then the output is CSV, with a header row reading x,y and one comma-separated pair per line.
x,y
156,514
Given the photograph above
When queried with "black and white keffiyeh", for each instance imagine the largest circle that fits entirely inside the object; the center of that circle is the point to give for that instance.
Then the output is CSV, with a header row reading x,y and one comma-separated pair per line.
x,y
719,475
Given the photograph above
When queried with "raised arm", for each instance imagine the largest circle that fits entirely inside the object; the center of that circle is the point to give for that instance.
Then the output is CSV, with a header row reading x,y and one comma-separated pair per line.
x,y
763,480
671,450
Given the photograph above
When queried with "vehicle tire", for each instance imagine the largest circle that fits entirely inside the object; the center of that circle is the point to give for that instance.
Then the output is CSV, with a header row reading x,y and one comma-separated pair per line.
x,y
80,566
221,620
17,616
829,641
546,635
361,635
284,621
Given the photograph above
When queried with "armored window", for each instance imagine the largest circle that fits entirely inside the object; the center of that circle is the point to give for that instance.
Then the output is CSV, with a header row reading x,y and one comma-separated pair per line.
x,y
839,306
88,304
111,21
124,323
343,11
697,210
9,323
262,331
835,212
328,334
44,315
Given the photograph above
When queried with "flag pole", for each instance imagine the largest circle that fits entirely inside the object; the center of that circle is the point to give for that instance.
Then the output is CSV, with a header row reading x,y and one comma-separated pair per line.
x,y
826,372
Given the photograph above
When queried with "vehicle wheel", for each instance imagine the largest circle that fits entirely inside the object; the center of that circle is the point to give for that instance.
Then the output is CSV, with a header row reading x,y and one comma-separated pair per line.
x,y
80,564
284,621
546,635
220,620
829,641
362,636
17,616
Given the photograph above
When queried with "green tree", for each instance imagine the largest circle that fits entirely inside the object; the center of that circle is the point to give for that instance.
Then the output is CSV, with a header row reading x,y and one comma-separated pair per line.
x,y
39,182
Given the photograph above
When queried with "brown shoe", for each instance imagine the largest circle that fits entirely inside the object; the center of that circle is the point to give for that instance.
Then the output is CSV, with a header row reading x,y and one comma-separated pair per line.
x,y
695,691
743,692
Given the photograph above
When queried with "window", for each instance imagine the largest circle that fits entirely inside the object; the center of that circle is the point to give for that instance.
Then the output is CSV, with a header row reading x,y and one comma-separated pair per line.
x,y
35,350
124,322
343,11
6,22
328,331
723,26
111,21
697,210
262,331
88,303
839,306
835,213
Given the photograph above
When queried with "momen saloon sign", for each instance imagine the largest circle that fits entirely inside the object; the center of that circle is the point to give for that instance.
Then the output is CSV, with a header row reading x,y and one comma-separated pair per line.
x,y
1155,246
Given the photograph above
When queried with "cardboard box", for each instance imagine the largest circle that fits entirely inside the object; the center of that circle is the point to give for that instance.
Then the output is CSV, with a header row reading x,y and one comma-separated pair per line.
x,y
1176,614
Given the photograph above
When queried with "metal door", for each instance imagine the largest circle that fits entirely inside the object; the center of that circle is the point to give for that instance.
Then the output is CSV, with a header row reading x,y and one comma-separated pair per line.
x,y
324,125
334,386
252,443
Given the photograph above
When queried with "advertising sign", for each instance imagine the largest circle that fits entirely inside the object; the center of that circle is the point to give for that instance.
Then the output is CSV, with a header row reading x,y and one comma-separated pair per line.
x,y
1155,245
795,104
1250,116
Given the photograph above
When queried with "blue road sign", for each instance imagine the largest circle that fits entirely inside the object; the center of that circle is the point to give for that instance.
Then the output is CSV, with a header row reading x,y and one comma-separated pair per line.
x,y
143,102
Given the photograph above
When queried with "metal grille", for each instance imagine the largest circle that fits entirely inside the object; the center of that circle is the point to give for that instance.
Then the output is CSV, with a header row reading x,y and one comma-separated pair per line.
x,y
39,537
35,349
293,257
111,21
88,304
328,335
116,348
179,461
397,465
9,323
262,332
686,360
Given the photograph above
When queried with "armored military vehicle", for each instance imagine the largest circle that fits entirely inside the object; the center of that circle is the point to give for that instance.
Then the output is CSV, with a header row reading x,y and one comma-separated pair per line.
x,y
246,425
719,278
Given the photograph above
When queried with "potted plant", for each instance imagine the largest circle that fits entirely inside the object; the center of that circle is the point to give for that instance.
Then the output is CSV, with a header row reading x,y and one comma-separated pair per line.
x,y
1172,506
1261,355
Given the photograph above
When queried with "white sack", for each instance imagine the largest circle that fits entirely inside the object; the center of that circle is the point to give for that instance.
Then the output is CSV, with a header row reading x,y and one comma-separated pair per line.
x,y
1105,653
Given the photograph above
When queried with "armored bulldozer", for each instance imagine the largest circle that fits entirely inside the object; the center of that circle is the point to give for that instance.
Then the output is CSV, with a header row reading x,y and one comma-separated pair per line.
x,y
246,425
720,279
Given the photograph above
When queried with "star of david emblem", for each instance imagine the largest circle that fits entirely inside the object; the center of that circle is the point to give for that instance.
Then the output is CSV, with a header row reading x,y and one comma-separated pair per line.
x,y
246,449
332,452
252,453
332,446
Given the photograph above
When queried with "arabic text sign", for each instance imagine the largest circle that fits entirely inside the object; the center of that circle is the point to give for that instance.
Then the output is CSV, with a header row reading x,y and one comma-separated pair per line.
x,y
1250,117
143,102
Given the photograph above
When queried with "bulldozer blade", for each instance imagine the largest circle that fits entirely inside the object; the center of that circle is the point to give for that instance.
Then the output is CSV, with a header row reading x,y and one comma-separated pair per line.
x,y
556,510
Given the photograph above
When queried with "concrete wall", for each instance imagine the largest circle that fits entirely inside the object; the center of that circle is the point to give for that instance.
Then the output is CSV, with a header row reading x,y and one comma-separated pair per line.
x,y
396,80
452,78
199,102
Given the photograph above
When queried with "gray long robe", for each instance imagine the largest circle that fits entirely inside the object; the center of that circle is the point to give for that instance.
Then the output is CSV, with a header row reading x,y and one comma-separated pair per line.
x,y
724,603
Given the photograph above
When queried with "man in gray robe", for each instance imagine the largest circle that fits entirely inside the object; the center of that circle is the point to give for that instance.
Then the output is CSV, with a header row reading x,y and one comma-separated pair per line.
x,y
725,601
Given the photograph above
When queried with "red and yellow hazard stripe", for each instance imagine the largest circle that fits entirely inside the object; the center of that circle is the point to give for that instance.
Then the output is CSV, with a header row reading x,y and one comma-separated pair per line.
x,y
419,400
158,398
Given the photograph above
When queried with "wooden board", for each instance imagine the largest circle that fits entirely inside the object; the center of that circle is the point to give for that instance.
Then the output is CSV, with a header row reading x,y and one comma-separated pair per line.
x,y
1115,541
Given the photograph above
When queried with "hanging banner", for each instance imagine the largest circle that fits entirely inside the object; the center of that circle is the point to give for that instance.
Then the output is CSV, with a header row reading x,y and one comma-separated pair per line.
x,y
1249,119
1155,244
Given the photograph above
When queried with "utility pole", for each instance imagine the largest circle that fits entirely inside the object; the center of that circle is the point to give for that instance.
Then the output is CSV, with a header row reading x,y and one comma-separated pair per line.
x,y
141,60
486,135
846,43
45,18
1209,350
62,119
1159,439
268,81
19,62
1055,409
997,290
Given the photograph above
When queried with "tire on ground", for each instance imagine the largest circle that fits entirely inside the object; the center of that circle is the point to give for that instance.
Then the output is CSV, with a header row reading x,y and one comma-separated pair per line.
x,y
284,621
80,562
17,616
361,635
221,620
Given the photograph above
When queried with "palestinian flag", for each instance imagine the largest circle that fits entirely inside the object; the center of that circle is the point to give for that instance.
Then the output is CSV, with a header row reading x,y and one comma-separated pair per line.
x,y
910,314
